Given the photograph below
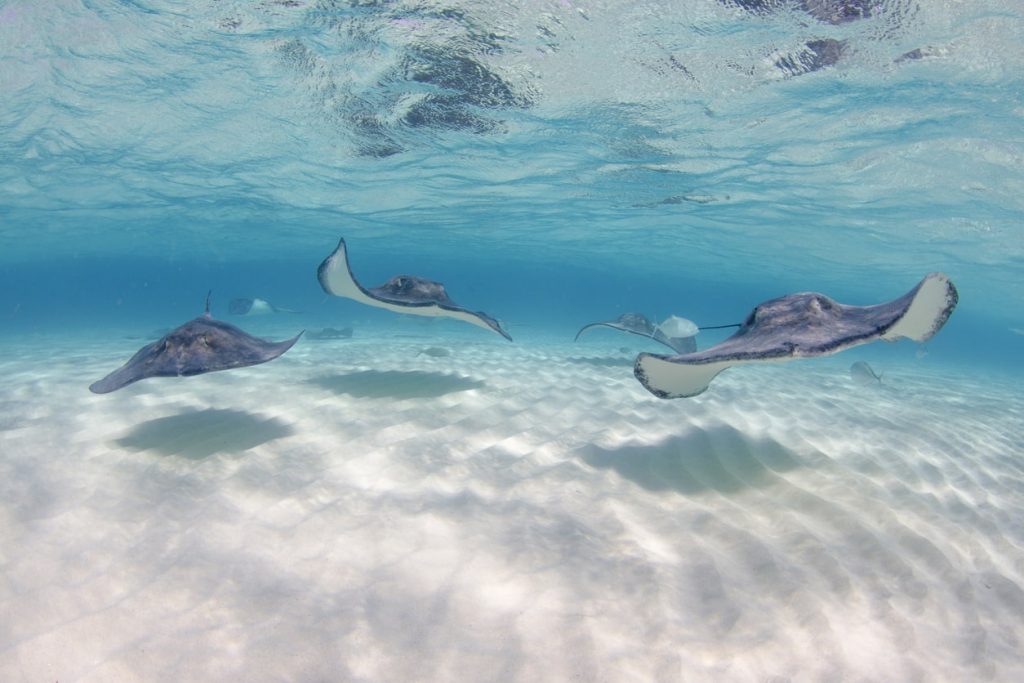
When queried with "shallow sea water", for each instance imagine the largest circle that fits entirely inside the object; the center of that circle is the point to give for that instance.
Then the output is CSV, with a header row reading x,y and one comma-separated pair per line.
x,y
427,501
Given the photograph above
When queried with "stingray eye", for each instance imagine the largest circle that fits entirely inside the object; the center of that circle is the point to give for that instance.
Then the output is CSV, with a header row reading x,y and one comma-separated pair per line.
x,y
752,318
821,304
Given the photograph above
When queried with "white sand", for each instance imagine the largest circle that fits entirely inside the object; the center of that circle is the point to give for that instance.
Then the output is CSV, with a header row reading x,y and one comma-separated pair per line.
x,y
508,513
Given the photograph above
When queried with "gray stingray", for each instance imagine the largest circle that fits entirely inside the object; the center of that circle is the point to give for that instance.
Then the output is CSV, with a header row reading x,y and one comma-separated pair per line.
x,y
255,307
800,326
401,294
862,373
199,346
637,323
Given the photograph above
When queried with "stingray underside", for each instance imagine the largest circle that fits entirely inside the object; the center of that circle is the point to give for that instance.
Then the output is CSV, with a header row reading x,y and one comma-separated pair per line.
x,y
800,326
255,307
401,294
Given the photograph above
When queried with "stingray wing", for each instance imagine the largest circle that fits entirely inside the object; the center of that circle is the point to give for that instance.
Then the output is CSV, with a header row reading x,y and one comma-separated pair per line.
x,y
336,278
638,324
139,366
633,323
611,323
678,344
799,326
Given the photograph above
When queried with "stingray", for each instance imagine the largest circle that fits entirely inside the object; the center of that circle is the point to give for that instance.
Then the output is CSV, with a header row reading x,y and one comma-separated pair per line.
x,y
401,294
199,346
801,326
637,323
255,307
864,374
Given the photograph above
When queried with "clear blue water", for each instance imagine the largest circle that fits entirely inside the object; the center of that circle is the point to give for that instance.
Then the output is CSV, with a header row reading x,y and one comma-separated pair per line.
x,y
552,162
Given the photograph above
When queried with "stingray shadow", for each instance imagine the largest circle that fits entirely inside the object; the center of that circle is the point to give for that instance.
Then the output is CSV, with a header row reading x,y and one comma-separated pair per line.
x,y
719,459
199,434
396,384
604,362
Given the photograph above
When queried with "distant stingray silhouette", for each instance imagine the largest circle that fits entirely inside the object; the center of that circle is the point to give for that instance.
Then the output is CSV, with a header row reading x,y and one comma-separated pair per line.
x,y
638,324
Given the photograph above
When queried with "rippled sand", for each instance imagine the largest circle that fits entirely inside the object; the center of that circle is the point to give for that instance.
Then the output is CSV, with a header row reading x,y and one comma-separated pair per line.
x,y
506,512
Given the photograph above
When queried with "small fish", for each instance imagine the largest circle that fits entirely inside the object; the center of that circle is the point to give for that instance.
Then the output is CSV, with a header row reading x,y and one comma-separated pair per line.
x,y
331,333
862,373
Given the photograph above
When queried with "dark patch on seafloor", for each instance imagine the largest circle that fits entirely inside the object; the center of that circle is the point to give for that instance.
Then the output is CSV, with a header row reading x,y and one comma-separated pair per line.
x,y
197,434
719,458
396,384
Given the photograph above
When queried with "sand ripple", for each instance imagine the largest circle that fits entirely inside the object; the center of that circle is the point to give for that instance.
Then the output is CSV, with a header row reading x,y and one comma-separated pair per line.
x,y
506,513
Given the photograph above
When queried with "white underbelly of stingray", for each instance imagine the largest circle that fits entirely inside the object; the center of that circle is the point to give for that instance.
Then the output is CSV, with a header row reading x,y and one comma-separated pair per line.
x,y
684,380
921,320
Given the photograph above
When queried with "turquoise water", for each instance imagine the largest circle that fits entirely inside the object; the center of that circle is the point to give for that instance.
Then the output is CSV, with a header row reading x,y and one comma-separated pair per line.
x,y
552,162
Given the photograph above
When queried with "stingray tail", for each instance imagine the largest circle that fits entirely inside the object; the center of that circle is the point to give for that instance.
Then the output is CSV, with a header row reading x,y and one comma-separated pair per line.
x,y
207,311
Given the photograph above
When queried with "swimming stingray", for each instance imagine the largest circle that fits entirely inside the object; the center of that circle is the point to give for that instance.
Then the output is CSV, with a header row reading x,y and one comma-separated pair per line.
x,y
800,326
199,346
401,294
637,323
255,307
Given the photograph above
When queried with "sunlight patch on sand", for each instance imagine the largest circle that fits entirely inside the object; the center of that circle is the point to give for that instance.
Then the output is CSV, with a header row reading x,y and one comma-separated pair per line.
x,y
508,513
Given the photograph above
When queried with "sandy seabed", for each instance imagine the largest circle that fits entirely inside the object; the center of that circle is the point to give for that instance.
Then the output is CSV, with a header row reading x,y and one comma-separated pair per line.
x,y
362,512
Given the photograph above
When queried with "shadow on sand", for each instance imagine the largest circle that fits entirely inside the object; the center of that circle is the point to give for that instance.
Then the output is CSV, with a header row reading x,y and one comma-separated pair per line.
x,y
719,458
198,434
396,384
